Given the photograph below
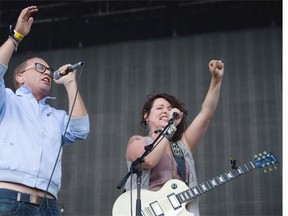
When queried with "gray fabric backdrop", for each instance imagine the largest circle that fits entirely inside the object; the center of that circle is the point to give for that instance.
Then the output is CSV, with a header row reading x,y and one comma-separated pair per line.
x,y
117,78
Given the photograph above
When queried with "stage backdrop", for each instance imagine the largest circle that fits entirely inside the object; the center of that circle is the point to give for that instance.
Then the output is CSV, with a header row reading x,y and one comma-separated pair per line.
x,y
114,83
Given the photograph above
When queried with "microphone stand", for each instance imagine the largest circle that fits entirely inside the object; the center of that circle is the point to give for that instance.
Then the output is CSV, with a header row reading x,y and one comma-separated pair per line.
x,y
136,167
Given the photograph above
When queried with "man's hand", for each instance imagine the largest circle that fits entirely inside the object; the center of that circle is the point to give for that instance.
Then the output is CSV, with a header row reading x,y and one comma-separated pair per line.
x,y
25,20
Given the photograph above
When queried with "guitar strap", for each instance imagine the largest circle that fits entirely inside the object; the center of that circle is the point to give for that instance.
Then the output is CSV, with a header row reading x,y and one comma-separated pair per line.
x,y
179,158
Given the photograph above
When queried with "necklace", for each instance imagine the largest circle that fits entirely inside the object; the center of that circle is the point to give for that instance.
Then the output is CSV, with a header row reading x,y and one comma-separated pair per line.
x,y
155,132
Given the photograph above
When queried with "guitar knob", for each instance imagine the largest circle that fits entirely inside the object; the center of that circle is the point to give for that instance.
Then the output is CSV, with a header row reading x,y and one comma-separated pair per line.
x,y
173,186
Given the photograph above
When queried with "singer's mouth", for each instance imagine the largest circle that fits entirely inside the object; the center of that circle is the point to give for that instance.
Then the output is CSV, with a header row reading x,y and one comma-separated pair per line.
x,y
47,80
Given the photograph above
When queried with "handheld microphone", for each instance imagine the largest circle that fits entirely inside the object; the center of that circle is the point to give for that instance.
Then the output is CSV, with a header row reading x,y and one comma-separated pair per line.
x,y
57,75
175,115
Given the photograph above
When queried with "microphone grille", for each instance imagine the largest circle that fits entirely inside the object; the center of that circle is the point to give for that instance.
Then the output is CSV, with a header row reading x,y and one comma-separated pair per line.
x,y
56,75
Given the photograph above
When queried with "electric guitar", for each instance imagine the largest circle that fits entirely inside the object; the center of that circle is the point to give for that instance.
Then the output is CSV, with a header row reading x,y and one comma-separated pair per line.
x,y
172,198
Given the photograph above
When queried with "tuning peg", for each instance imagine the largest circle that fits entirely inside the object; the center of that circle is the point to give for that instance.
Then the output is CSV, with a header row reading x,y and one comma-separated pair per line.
x,y
265,171
264,152
255,156
260,154
275,167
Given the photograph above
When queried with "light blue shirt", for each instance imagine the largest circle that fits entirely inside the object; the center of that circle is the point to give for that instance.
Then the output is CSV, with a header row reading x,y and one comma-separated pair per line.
x,y
31,136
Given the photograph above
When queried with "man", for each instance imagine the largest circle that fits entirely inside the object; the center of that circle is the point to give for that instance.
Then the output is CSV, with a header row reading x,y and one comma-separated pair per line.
x,y
32,132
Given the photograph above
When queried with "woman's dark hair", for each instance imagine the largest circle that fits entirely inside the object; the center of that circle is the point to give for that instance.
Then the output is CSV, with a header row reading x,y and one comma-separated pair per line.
x,y
175,103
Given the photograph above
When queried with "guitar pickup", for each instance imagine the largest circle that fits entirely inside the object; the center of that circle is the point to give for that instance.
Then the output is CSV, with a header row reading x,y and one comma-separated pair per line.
x,y
156,209
174,201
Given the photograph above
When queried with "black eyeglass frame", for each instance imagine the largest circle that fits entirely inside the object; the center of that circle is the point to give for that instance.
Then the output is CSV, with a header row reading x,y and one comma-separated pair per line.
x,y
36,66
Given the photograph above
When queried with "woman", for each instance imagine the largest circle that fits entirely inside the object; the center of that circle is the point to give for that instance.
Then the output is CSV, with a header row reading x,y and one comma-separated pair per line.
x,y
161,164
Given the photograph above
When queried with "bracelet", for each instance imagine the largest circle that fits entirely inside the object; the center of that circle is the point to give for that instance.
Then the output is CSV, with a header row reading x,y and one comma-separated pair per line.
x,y
168,134
18,36
15,42
68,82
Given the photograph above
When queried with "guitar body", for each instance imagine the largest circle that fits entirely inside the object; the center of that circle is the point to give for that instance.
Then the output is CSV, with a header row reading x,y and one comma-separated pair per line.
x,y
153,203
172,198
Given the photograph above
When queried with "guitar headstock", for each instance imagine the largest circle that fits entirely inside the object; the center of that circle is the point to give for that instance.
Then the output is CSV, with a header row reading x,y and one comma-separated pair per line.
x,y
263,160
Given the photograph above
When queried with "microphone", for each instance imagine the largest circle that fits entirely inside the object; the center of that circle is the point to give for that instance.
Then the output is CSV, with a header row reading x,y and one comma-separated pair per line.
x,y
57,75
175,115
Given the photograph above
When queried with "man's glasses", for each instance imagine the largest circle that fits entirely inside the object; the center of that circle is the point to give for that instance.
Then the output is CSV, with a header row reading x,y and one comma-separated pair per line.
x,y
40,68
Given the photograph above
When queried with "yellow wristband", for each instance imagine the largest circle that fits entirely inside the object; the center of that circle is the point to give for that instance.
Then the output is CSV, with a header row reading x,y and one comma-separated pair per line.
x,y
18,36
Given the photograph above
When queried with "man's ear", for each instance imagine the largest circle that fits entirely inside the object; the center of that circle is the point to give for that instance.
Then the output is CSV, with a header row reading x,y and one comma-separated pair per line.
x,y
19,78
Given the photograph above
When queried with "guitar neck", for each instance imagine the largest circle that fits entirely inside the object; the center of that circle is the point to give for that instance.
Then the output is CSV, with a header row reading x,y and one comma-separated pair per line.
x,y
208,185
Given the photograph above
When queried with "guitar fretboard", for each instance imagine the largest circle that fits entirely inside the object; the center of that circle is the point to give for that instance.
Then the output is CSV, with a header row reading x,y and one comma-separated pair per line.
x,y
208,185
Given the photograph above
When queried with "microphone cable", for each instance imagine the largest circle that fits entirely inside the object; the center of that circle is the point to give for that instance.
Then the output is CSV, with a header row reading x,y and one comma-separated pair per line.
x,y
62,142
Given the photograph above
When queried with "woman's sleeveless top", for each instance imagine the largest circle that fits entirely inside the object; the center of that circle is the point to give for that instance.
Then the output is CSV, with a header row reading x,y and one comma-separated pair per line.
x,y
165,170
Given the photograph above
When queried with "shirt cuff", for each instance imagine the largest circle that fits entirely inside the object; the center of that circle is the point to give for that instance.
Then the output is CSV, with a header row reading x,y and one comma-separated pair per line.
x,y
80,125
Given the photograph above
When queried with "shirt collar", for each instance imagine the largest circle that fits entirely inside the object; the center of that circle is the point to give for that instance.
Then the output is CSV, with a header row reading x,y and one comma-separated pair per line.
x,y
24,90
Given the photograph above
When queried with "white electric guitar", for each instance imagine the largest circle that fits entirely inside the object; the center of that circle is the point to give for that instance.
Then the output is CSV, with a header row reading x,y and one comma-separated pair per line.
x,y
172,198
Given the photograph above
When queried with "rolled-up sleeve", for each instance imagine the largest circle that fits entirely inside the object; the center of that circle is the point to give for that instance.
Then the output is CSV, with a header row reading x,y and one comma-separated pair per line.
x,y
79,128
